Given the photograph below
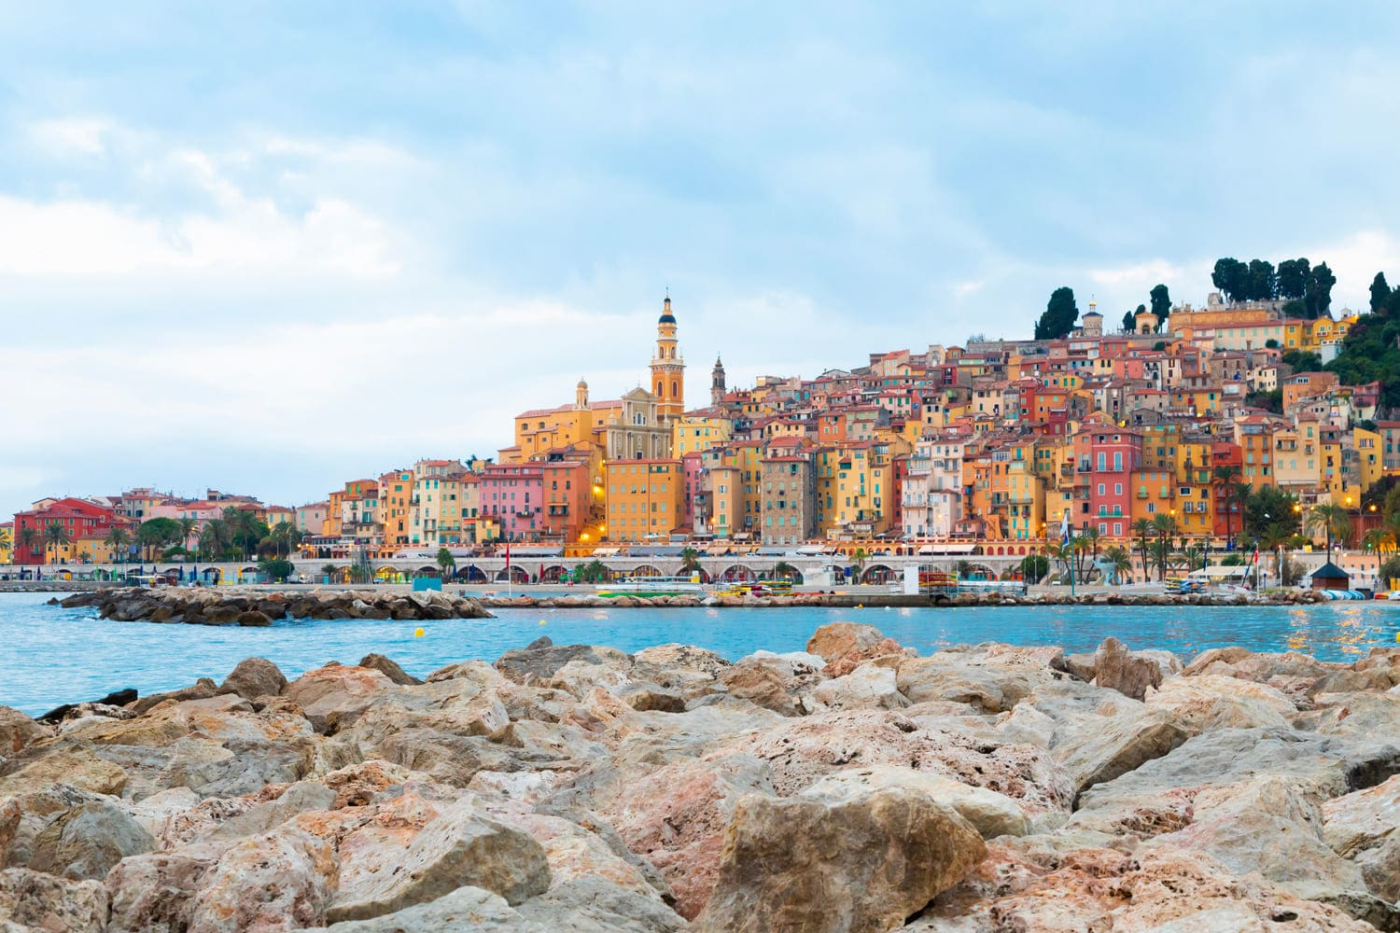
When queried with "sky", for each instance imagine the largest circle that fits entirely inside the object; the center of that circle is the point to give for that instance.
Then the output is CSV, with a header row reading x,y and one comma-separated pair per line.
x,y
270,247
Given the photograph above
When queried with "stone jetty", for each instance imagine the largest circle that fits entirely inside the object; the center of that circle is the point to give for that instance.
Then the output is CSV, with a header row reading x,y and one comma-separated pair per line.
x,y
262,605
855,786
213,606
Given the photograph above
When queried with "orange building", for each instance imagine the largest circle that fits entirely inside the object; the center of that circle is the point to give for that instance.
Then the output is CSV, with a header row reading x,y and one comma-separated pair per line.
x,y
645,499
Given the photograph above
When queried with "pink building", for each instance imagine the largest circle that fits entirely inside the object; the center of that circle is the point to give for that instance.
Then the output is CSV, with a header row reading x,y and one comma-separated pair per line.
x,y
311,518
1106,456
202,511
513,496
693,469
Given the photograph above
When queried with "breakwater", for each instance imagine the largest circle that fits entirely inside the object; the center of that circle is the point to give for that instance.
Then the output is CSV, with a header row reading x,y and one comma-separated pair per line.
x,y
852,785
261,605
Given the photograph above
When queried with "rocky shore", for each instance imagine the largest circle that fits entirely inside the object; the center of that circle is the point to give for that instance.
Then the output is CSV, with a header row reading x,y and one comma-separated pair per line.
x,y
851,787
263,605
248,606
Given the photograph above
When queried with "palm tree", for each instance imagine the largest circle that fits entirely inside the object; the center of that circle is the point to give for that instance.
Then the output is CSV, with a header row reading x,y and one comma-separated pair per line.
x,y
1379,539
7,541
1224,481
56,536
447,564
690,560
1333,521
187,530
29,537
782,570
1237,496
1275,538
1161,552
118,541
1142,530
1119,559
858,560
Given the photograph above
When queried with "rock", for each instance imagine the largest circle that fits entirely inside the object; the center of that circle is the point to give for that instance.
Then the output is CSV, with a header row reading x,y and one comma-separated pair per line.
x,y
17,731
332,698
990,813
34,901
596,905
254,619
682,658
85,842
866,687
1100,734
203,689
253,678
1365,827
465,909
460,847
762,685
280,881
1205,702
73,765
838,639
1118,669
389,669
154,892
861,863
536,665
675,817
644,697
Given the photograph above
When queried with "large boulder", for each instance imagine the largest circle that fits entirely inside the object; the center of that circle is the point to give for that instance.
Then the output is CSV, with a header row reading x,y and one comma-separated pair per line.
x,y
990,813
333,697
467,908
72,765
538,665
1206,702
1099,734
154,893
17,731
1116,668
279,881
867,687
254,677
86,841
461,847
596,905
1365,827
34,901
675,817
389,669
860,862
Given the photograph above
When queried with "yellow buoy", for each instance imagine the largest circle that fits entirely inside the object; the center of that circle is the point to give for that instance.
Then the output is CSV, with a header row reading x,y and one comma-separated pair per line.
x,y
860,605
418,633
541,621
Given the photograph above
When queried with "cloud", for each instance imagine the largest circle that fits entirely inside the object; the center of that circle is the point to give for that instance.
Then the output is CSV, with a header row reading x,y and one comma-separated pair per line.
x,y
71,136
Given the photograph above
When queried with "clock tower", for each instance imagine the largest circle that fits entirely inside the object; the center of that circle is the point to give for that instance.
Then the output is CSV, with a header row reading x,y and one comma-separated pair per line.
x,y
668,368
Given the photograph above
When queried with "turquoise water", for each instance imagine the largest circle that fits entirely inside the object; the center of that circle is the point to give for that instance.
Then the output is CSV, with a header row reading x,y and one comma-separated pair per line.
x,y
50,656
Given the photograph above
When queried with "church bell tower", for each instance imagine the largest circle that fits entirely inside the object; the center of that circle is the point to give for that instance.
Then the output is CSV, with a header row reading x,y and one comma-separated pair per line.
x,y
668,368
717,389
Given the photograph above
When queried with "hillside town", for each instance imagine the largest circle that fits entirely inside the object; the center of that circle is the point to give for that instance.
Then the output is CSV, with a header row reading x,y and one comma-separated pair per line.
x,y
1179,421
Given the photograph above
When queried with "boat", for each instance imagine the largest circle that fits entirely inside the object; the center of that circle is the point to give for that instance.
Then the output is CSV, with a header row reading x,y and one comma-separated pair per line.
x,y
650,586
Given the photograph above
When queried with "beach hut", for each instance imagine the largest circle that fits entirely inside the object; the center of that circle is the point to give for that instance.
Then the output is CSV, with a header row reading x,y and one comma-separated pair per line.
x,y
1330,577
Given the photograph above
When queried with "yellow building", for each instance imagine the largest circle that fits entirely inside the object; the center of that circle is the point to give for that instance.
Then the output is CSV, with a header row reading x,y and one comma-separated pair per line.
x,y
855,490
544,429
645,499
694,434
1370,460
396,508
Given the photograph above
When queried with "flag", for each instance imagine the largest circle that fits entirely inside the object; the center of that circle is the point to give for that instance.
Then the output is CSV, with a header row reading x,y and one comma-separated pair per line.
x,y
507,556
1064,530
1255,558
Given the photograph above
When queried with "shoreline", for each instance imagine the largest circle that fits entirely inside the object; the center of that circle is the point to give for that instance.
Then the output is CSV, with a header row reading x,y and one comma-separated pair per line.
x,y
313,600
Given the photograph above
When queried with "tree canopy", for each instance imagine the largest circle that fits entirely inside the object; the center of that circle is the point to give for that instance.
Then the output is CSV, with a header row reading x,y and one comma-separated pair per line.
x,y
1380,293
1161,302
1060,314
1293,278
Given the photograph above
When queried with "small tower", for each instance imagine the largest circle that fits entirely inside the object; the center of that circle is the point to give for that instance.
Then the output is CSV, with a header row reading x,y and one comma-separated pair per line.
x,y
668,368
581,395
717,384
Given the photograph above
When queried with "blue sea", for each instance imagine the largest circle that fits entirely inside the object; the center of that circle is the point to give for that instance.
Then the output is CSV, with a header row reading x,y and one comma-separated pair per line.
x,y
50,656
